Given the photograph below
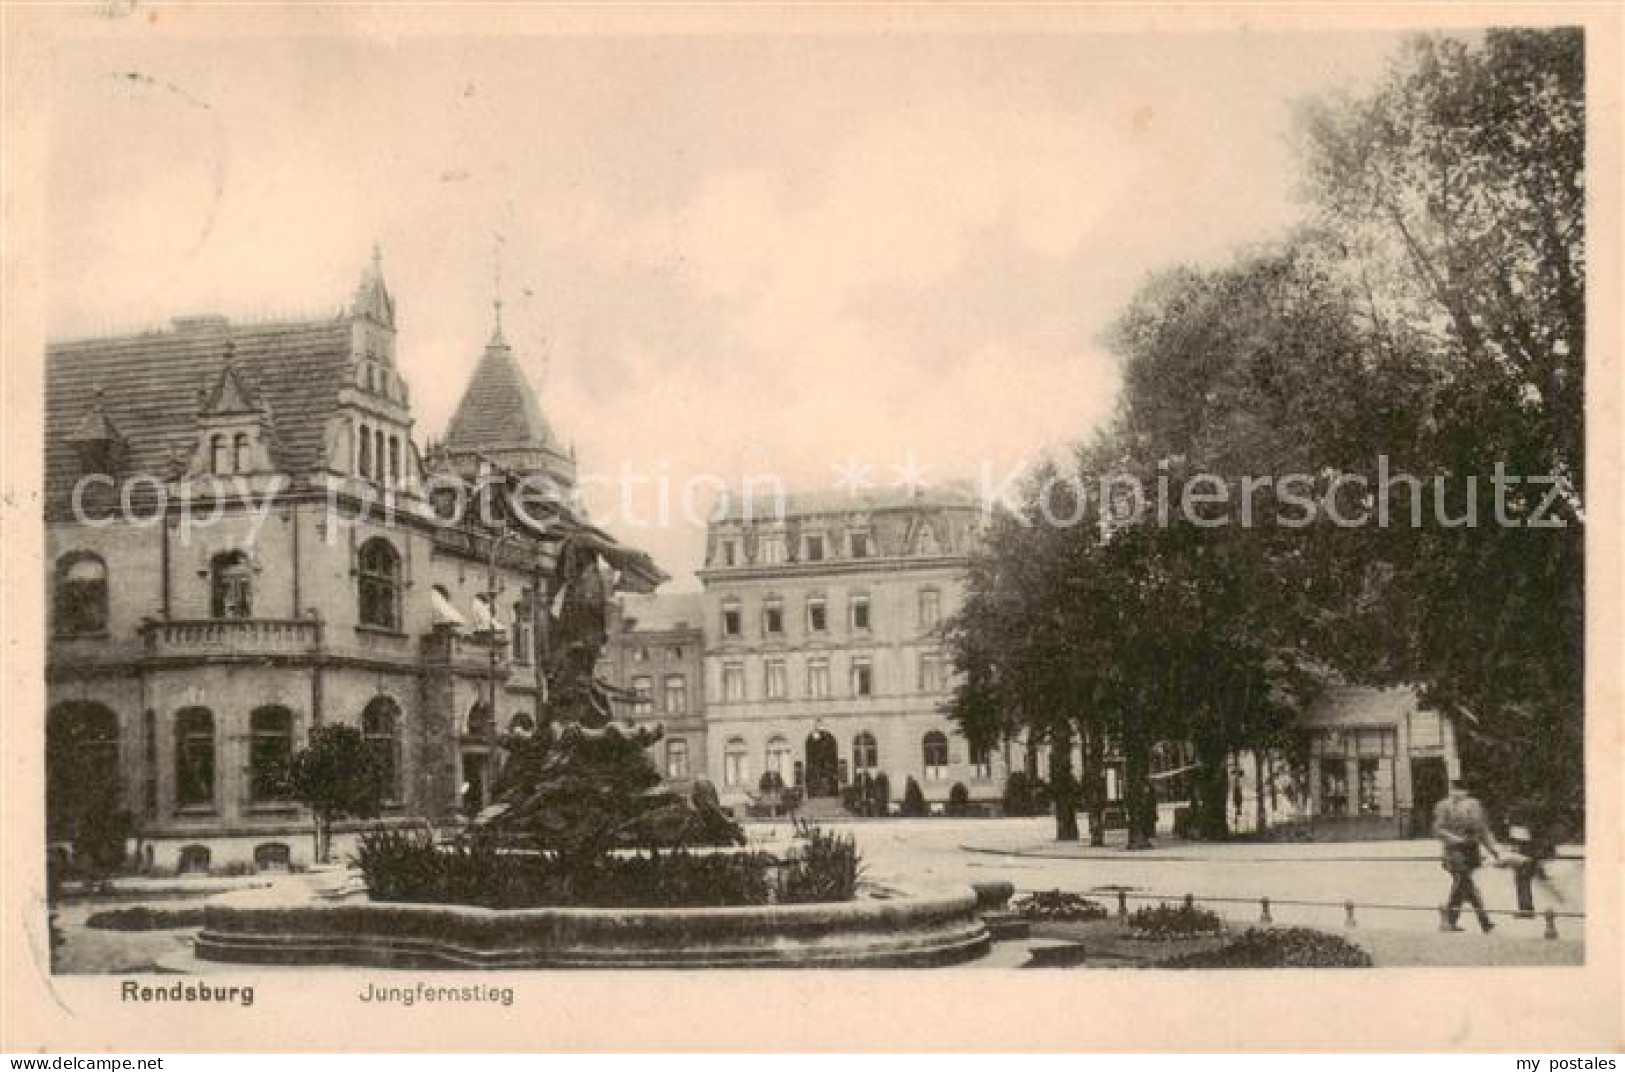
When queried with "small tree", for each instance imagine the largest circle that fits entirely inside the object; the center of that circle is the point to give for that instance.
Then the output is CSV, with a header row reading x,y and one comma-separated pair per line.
x,y
882,795
336,777
913,799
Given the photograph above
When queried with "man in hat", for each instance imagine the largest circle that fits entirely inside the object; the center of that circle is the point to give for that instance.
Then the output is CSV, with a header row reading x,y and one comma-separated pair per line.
x,y
1460,825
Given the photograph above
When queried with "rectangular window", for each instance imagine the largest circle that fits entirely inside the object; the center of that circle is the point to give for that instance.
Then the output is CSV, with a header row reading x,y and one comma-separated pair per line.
x,y
773,618
270,753
818,678
815,548
730,619
777,679
676,694
930,608
859,543
1370,799
860,614
981,763
735,764
733,682
1334,788
677,758
644,689
817,615
930,672
772,550
863,679
730,552
640,655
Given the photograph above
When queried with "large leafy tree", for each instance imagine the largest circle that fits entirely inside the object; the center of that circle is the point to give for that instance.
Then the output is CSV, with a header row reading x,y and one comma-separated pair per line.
x,y
1458,191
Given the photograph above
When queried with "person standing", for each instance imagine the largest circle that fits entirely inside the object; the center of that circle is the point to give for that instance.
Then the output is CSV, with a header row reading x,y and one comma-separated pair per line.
x,y
1460,825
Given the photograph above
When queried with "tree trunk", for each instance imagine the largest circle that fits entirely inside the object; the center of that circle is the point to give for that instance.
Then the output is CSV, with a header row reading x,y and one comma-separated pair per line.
x,y
1210,785
1094,781
1063,786
1138,800
1262,818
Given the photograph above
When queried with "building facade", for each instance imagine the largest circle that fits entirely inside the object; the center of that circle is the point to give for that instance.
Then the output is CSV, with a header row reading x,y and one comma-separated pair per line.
x,y
823,656
241,546
655,656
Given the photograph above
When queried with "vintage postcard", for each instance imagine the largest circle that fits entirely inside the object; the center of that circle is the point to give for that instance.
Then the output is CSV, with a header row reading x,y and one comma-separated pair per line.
x,y
826,528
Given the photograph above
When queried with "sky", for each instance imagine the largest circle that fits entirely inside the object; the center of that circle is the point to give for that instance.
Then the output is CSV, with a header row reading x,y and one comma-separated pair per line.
x,y
828,259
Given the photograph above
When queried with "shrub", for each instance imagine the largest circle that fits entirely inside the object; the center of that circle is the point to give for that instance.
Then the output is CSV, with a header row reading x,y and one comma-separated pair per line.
x,y
882,794
1058,906
1288,947
1020,795
407,866
826,869
958,799
913,799
141,918
1164,922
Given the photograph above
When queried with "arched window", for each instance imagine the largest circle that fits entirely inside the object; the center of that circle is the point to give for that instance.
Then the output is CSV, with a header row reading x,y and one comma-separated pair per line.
x,y
231,586
270,751
479,719
981,761
521,725
194,860
676,758
380,729
365,466
380,584
82,781
194,758
936,756
865,752
735,762
217,454
779,760
271,856
80,599
240,453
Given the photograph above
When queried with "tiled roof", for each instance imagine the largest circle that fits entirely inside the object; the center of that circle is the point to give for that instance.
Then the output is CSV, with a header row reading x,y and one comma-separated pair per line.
x,y
661,613
151,385
498,409
832,501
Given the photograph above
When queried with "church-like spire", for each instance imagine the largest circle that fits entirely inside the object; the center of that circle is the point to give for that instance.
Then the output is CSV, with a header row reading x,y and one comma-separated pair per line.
x,y
372,300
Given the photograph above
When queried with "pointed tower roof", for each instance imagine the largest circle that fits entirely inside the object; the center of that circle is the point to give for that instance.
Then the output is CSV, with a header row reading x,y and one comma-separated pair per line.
x,y
499,410
372,300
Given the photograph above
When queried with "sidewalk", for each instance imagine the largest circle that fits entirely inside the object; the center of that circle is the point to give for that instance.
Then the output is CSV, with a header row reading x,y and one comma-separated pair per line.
x,y
1174,850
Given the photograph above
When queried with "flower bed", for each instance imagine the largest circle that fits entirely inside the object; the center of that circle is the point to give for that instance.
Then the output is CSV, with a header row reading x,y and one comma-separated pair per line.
x,y
141,918
1288,947
406,867
1057,906
1165,922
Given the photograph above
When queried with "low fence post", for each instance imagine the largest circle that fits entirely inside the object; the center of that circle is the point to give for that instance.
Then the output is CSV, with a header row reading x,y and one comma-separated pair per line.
x,y
1551,925
1122,902
1190,902
1348,908
1264,913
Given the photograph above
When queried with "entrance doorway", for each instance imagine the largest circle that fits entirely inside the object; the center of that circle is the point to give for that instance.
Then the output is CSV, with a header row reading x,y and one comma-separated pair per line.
x,y
823,765
1429,784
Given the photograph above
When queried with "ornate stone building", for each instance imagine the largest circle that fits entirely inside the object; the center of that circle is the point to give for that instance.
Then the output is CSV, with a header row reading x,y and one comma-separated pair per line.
x,y
823,651
241,546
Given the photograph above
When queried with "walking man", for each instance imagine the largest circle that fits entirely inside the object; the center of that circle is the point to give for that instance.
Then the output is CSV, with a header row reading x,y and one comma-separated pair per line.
x,y
1459,824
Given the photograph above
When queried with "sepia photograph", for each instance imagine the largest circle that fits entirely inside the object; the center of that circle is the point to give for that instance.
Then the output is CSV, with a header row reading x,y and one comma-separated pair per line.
x,y
835,502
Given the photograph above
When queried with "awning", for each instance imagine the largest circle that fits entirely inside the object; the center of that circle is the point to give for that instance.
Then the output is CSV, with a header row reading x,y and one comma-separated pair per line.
x,y
444,612
484,620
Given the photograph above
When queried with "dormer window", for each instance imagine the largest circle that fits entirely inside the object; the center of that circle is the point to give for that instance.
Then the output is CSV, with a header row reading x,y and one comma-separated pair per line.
x,y
241,462
219,460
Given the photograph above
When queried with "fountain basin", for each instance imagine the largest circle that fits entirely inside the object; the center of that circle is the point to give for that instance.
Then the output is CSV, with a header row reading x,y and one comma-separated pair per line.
x,y
306,927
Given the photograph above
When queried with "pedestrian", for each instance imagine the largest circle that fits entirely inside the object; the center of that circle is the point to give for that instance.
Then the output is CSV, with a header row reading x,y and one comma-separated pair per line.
x,y
1529,835
1459,824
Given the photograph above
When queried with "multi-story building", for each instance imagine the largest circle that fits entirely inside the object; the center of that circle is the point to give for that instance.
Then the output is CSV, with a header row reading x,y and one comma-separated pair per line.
x,y
241,547
823,650
655,655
